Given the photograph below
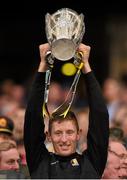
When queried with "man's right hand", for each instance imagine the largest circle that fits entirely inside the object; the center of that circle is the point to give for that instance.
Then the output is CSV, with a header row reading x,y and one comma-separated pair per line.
x,y
43,48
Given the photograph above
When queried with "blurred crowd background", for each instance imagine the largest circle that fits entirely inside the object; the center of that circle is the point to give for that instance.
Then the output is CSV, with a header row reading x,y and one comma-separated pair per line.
x,y
23,30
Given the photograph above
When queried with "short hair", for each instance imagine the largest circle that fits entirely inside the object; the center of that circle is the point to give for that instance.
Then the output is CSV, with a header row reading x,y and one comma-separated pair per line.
x,y
116,133
57,118
7,145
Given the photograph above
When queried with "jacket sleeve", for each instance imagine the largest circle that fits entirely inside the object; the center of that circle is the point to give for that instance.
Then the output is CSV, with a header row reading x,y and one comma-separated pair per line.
x,y
34,135
98,131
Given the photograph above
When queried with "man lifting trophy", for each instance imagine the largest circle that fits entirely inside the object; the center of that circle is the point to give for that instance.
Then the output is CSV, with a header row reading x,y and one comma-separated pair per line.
x,y
64,30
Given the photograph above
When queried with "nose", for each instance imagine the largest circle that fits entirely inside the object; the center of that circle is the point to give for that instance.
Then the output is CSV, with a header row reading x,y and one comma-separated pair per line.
x,y
64,137
15,166
125,161
122,173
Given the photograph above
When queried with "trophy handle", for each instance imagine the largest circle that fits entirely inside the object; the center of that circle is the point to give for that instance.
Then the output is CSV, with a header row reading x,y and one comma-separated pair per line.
x,y
63,109
45,111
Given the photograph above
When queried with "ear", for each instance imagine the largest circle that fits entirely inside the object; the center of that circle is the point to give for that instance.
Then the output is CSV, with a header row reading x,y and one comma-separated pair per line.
x,y
79,134
48,136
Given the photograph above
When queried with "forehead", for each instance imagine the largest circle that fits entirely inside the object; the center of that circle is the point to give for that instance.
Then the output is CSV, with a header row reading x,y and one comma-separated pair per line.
x,y
10,154
64,125
118,147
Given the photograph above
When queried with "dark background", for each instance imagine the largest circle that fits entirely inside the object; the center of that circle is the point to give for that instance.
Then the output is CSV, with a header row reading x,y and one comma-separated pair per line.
x,y
22,29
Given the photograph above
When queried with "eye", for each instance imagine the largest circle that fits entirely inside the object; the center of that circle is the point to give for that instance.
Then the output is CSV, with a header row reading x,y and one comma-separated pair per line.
x,y
70,132
11,161
117,168
58,132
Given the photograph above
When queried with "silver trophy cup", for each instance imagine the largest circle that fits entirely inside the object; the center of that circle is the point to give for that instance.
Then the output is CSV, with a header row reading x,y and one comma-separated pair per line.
x,y
64,30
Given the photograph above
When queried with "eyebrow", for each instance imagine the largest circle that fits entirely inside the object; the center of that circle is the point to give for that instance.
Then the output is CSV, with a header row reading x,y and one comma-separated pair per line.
x,y
118,155
113,152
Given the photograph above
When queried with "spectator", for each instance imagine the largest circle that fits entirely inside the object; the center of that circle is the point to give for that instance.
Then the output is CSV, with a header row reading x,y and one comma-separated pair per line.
x,y
9,156
118,149
112,167
10,165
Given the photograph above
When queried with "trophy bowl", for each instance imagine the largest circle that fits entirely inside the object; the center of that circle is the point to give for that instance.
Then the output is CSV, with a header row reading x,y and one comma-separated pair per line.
x,y
63,49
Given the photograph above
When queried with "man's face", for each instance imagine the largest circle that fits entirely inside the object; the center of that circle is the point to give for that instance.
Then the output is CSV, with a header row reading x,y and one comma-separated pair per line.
x,y
121,152
64,137
9,160
112,168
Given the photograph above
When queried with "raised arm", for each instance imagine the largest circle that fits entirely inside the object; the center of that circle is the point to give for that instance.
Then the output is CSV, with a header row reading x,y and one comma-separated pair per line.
x,y
98,131
34,135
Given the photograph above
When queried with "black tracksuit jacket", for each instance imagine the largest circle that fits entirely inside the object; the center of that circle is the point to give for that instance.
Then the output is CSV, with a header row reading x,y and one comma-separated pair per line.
x,y
46,165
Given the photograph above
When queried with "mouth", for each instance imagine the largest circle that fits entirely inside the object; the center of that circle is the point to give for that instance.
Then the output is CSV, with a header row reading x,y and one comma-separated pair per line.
x,y
123,177
64,147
